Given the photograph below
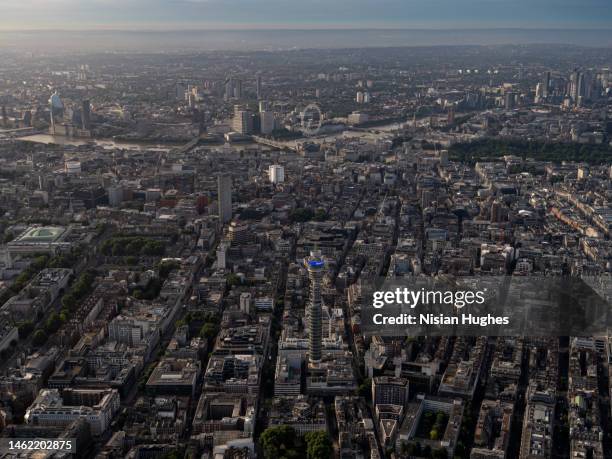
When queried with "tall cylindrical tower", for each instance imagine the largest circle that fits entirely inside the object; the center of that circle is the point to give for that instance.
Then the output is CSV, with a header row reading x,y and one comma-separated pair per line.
x,y
315,266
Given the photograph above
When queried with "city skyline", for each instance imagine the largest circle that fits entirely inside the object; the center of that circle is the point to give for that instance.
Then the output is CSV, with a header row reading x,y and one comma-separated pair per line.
x,y
282,229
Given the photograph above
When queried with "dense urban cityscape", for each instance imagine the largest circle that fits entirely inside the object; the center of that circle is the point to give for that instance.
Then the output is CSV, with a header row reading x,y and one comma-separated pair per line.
x,y
186,240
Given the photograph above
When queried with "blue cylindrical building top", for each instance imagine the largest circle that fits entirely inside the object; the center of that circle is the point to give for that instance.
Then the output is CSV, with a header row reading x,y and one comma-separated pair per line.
x,y
316,263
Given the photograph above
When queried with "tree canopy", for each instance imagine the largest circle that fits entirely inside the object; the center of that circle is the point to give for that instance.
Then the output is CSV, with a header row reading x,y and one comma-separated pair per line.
x,y
132,246
279,442
494,149
318,445
283,442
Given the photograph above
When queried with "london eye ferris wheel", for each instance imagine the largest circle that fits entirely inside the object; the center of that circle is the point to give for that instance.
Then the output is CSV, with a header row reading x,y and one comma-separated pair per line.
x,y
311,120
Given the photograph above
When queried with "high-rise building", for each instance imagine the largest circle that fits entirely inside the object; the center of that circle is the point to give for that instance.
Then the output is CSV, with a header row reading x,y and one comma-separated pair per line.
x,y
222,256
179,90
229,89
497,212
224,192
115,195
576,85
82,72
56,109
539,92
238,89
266,122
233,89
243,120
509,100
315,266
546,86
256,121
86,115
277,173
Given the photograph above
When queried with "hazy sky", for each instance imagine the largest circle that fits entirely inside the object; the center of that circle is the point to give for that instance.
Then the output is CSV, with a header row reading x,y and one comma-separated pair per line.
x,y
176,14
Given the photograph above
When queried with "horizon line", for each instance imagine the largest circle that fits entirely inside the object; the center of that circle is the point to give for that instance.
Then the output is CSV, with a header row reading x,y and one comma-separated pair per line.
x,y
306,28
